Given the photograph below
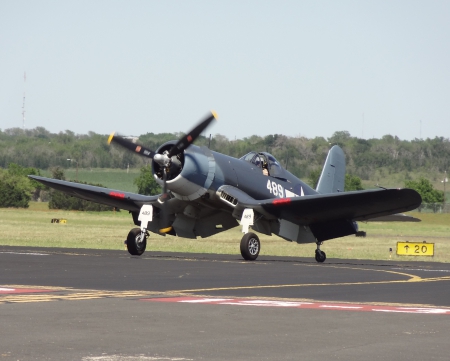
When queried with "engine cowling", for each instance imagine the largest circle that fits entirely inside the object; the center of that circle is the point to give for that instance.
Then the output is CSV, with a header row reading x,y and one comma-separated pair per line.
x,y
190,174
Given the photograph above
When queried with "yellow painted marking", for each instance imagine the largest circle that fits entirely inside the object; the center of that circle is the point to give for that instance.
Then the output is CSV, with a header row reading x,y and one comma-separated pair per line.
x,y
34,287
412,278
165,230
60,293
314,284
111,137
214,114
75,296
415,249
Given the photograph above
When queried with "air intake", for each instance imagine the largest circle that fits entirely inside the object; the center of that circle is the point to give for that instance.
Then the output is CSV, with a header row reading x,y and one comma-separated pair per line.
x,y
229,199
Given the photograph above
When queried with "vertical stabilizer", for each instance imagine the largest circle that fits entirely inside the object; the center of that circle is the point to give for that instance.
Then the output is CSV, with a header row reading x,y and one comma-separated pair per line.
x,y
332,179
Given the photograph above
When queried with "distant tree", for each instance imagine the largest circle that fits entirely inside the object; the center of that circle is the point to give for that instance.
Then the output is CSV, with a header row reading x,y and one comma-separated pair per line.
x,y
146,183
15,190
352,183
313,178
340,138
58,173
17,170
426,190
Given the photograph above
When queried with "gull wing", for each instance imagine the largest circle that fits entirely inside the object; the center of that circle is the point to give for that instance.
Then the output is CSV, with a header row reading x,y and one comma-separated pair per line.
x,y
398,217
111,197
323,208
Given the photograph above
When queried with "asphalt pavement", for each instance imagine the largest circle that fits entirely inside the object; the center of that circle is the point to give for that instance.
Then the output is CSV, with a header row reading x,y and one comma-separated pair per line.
x,y
72,304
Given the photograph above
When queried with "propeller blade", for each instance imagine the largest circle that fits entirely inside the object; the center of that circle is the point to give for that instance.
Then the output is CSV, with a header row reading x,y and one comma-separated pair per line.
x,y
113,138
191,136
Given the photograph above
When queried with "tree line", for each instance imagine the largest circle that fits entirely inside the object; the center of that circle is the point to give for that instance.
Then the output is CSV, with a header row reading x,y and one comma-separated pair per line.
x,y
366,158
24,152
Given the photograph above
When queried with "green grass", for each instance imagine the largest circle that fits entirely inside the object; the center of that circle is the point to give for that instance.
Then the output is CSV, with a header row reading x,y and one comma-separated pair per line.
x,y
108,230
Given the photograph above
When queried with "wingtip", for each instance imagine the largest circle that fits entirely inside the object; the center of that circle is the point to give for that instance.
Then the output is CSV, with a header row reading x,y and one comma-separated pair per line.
x,y
214,114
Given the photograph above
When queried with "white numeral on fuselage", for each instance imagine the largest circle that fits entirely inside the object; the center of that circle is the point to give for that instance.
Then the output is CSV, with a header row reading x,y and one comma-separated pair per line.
x,y
275,188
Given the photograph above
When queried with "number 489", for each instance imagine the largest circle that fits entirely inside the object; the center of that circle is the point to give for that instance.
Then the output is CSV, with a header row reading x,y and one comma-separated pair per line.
x,y
275,189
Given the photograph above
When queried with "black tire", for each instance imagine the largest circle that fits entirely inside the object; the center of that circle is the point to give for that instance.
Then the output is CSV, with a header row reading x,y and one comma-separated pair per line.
x,y
134,244
250,246
321,256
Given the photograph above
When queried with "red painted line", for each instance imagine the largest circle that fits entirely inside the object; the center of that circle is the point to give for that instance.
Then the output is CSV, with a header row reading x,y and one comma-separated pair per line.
x,y
7,290
304,305
117,195
280,201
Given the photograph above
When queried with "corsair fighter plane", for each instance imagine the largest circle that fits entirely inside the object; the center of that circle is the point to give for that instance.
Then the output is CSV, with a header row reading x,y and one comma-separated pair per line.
x,y
206,192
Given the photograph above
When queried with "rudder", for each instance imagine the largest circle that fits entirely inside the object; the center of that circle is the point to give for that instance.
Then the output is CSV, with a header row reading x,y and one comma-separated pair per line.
x,y
332,179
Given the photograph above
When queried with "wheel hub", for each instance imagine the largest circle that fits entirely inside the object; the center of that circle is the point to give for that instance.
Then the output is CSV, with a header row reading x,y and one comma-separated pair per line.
x,y
253,246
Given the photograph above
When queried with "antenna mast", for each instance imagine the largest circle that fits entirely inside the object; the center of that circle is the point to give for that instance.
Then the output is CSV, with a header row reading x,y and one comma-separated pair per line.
x,y
362,132
23,105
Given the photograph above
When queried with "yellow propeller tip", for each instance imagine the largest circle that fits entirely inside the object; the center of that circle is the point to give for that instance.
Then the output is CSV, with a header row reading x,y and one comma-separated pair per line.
x,y
111,137
214,114
165,230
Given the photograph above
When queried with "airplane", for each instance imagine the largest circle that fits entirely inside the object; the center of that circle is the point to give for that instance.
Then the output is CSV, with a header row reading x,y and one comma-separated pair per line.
x,y
206,192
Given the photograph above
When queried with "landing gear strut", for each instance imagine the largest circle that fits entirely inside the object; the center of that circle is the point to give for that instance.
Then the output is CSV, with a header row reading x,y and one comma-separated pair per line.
x,y
250,246
136,242
320,255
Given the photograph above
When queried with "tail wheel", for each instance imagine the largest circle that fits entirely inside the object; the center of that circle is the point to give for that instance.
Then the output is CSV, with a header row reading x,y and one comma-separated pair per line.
x,y
136,242
320,256
250,246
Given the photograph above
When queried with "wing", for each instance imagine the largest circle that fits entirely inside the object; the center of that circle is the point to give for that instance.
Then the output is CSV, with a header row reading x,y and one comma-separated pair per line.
x,y
357,206
111,197
399,217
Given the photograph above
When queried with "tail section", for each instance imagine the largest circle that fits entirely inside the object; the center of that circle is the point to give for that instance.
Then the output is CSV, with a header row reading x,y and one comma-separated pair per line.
x,y
332,179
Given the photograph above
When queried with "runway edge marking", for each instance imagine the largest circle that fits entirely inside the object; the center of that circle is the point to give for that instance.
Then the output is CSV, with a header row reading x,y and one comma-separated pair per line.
x,y
302,305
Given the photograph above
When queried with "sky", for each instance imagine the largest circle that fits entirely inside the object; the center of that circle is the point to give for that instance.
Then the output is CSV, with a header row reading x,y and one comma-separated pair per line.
x,y
298,68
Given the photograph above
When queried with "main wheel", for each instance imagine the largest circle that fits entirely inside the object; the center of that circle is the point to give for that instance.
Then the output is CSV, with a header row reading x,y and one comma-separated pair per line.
x,y
250,246
320,256
135,244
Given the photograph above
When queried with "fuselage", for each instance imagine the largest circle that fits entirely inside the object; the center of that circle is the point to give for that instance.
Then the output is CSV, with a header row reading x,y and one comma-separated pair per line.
x,y
204,171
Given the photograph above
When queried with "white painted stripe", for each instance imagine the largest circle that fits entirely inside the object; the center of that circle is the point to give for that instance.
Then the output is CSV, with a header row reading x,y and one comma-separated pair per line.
x,y
306,305
207,300
423,269
341,307
27,253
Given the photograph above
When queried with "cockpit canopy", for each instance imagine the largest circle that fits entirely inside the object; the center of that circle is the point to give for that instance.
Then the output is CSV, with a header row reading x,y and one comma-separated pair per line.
x,y
265,160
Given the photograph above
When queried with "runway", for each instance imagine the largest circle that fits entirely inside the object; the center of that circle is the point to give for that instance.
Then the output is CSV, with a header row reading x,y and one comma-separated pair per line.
x,y
67,304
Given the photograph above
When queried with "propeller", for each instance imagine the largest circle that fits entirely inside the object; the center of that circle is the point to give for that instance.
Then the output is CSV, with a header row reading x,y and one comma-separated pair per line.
x,y
165,160
128,144
179,147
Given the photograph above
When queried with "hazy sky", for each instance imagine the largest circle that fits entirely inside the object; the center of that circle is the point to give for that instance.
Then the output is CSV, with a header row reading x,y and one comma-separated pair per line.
x,y
289,67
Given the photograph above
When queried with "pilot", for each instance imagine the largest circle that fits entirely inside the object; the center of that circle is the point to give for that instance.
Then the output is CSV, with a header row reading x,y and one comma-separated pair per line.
x,y
264,169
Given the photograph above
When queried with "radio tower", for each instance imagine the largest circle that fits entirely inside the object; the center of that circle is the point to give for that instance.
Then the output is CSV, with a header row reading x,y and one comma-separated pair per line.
x,y
23,105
